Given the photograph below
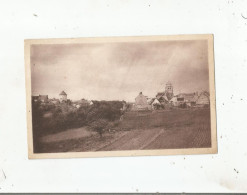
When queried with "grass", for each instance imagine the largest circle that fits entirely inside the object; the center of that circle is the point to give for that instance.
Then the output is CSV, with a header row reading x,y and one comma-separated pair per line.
x,y
185,128
165,119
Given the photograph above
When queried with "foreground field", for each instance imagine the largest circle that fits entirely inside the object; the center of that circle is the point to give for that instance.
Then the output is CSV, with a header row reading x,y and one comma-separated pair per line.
x,y
137,131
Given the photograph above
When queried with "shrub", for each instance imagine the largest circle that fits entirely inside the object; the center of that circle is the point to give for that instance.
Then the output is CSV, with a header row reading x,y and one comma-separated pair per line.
x,y
99,126
65,116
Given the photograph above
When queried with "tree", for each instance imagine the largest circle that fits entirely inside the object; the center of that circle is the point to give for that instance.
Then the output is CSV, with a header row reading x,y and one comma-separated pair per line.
x,y
99,126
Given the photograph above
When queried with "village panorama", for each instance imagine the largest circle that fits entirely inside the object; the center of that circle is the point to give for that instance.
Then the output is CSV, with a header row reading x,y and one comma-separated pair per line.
x,y
164,121
120,96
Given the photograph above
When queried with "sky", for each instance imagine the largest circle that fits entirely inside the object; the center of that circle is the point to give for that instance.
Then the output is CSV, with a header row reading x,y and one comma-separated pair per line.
x,y
118,71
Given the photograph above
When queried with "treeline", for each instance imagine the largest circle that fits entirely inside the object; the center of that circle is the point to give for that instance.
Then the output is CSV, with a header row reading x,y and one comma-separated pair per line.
x,y
64,116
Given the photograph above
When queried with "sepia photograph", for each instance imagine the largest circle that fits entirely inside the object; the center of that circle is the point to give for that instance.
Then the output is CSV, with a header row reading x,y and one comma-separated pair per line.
x,y
120,96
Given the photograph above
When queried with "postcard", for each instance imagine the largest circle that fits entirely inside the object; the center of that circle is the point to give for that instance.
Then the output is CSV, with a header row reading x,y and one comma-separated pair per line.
x,y
120,96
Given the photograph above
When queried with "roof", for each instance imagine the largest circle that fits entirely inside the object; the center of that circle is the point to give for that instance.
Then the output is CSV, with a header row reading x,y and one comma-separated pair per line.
x,y
62,93
185,94
189,97
43,96
160,94
156,101
141,100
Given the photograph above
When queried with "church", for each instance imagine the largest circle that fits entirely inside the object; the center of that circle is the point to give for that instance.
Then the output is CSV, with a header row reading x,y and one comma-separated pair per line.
x,y
165,96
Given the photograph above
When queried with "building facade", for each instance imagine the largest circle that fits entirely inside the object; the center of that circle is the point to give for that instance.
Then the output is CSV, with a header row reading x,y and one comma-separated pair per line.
x,y
63,96
141,102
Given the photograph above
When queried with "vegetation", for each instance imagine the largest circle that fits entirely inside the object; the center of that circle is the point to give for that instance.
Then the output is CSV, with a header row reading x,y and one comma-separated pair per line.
x,y
165,119
184,128
63,116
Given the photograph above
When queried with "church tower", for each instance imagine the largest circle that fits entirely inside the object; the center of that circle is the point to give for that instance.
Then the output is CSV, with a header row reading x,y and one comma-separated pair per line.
x,y
169,90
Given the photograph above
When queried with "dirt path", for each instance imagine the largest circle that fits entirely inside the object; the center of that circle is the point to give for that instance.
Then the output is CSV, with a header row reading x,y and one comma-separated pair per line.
x,y
81,140
133,140
68,135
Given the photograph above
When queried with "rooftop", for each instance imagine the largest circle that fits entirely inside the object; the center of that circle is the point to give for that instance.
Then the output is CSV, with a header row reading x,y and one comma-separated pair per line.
x,y
62,93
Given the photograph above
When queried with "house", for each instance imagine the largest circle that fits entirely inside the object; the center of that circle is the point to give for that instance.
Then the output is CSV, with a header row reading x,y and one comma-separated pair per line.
x,y
63,96
203,99
155,104
43,98
187,98
141,102
162,98
150,100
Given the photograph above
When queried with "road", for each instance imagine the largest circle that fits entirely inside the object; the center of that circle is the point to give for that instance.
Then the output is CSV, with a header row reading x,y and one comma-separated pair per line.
x,y
160,139
133,140
80,140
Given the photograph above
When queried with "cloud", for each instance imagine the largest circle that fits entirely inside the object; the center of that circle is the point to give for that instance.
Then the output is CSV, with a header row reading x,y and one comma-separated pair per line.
x,y
118,70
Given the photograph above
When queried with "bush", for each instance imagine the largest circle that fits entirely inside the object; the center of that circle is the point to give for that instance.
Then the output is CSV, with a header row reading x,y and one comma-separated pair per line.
x,y
65,116
108,110
99,126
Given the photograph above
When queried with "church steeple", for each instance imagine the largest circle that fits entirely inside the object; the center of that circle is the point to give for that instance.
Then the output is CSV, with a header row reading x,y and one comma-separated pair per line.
x,y
169,90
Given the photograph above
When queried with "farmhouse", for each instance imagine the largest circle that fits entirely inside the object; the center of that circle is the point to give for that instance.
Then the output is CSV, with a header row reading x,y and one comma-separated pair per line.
x,y
203,99
141,102
191,99
188,98
63,96
155,104
162,98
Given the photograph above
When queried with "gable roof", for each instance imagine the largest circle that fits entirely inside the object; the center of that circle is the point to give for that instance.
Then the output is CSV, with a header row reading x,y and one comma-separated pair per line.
x,y
204,93
156,101
141,99
160,94
62,93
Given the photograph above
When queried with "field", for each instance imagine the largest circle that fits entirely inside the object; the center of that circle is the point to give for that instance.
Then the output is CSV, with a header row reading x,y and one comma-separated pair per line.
x,y
166,129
